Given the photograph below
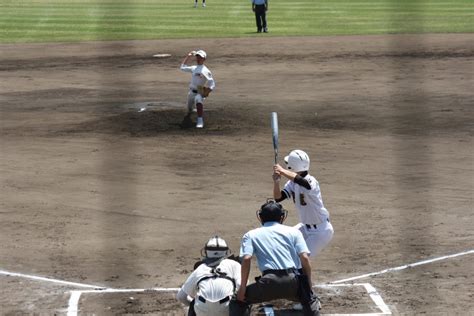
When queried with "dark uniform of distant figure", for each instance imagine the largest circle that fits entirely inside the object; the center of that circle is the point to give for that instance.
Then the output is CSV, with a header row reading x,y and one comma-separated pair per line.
x,y
203,3
260,8
282,257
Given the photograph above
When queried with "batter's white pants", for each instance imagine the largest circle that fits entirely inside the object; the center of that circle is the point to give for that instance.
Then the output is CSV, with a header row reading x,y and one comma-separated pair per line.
x,y
316,238
194,98
211,308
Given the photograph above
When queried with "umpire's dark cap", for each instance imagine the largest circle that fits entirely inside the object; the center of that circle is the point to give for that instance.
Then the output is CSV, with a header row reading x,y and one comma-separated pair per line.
x,y
271,211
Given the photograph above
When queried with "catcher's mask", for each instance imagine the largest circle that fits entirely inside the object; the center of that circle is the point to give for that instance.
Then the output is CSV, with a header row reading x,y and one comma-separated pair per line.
x,y
271,211
216,247
297,161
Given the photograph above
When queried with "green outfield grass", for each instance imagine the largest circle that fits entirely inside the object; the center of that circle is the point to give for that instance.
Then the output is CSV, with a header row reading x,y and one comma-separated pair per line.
x,y
79,20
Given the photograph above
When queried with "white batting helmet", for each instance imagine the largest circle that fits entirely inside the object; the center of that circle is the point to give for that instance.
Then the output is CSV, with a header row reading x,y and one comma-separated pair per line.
x,y
216,247
297,161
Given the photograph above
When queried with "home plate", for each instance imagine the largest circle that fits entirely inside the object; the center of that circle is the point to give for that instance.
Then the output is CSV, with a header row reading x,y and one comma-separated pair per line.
x,y
161,55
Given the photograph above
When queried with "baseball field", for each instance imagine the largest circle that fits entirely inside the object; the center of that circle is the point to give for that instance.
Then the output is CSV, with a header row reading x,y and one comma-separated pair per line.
x,y
106,200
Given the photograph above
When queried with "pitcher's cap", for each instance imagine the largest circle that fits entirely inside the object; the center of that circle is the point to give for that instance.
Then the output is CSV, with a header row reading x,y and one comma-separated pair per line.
x,y
201,53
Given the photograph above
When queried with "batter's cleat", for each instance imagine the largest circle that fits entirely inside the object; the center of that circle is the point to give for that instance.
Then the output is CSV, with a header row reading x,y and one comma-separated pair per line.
x,y
200,122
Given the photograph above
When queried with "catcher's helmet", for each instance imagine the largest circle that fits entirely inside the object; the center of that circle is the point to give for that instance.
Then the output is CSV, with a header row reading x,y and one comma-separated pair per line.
x,y
216,247
271,211
297,161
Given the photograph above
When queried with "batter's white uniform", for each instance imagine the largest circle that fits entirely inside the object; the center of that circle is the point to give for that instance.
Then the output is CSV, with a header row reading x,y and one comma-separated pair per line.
x,y
201,76
209,293
314,217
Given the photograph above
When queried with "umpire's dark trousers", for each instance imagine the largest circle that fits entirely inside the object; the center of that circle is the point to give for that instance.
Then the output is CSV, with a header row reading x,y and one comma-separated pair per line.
x,y
261,17
273,286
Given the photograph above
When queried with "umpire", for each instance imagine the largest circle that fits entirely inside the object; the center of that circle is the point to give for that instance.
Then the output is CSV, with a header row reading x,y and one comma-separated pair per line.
x,y
280,251
260,8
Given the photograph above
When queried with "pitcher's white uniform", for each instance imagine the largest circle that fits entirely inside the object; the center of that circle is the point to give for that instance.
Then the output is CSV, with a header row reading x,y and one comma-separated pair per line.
x,y
212,294
314,217
200,76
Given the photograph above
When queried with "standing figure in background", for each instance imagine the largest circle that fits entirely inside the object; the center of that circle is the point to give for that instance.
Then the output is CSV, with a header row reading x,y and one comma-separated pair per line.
x,y
203,3
260,7
202,83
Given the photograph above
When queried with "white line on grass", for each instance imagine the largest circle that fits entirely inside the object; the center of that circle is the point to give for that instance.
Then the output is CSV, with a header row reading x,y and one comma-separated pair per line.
x,y
411,265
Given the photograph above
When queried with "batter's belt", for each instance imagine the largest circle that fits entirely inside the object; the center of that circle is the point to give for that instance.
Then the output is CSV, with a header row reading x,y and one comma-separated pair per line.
x,y
315,226
202,90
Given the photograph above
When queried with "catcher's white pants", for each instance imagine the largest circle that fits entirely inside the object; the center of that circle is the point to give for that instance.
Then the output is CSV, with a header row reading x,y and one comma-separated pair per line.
x,y
194,98
316,238
211,308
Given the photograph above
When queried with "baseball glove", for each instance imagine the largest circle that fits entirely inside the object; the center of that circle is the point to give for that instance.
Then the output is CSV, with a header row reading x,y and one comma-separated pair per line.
x,y
203,91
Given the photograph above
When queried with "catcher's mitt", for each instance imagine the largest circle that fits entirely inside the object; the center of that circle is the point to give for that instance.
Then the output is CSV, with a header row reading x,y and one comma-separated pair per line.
x,y
203,91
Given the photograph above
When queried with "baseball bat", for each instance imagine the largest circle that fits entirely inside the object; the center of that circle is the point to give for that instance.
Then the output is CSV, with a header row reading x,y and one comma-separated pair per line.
x,y
274,121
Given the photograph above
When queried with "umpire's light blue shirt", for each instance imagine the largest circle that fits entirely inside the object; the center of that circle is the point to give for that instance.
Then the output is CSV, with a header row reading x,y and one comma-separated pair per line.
x,y
275,246
259,2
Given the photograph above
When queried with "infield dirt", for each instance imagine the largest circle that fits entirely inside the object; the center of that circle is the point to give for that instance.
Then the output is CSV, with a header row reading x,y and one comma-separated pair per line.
x,y
102,185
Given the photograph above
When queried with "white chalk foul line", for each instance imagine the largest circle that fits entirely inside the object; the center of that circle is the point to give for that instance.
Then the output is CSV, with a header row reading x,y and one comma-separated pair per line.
x,y
38,278
377,298
411,265
73,304
374,295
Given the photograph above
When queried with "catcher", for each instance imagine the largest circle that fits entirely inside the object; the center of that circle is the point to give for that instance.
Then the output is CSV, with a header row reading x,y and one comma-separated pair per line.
x,y
216,278
202,83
